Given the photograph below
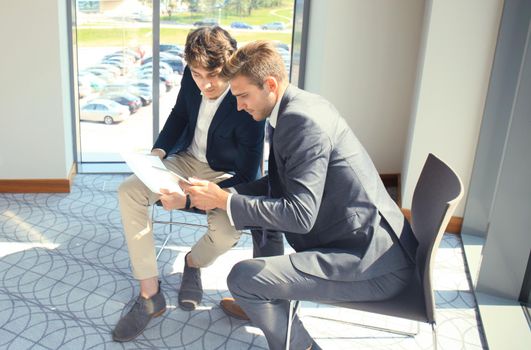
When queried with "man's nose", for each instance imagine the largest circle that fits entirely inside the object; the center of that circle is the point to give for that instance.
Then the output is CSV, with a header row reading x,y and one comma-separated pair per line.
x,y
208,85
239,105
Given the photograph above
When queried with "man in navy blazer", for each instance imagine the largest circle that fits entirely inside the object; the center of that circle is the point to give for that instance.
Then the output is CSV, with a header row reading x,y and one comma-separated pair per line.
x,y
351,241
206,137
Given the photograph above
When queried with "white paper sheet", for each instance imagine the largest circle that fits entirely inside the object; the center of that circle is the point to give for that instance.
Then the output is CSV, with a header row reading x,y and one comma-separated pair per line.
x,y
152,172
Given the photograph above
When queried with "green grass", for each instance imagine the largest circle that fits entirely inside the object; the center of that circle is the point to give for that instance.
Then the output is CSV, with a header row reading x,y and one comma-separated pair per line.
x,y
286,12
130,37
258,17
93,35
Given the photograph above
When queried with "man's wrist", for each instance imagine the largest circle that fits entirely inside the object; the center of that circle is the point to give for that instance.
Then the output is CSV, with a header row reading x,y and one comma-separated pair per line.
x,y
222,203
158,152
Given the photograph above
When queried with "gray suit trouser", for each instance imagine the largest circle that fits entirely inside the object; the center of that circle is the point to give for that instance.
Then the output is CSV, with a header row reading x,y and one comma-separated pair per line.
x,y
274,244
264,286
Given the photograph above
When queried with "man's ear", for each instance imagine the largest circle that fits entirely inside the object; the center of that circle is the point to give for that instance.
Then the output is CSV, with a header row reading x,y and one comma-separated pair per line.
x,y
271,83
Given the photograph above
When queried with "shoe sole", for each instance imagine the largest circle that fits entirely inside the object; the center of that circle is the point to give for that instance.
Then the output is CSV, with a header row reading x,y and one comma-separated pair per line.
x,y
232,314
140,332
184,305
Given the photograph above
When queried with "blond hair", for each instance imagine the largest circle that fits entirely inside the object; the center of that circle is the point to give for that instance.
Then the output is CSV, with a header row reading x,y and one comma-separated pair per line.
x,y
256,61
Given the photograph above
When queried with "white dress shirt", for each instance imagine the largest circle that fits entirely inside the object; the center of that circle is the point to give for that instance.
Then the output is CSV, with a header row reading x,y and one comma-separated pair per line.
x,y
272,119
207,110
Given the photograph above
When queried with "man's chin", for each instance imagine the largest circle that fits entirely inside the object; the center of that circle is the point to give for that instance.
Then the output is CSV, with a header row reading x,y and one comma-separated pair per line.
x,y
210,94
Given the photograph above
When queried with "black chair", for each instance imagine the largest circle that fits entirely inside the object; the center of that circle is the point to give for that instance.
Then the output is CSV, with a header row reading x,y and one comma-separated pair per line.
x,y
436,195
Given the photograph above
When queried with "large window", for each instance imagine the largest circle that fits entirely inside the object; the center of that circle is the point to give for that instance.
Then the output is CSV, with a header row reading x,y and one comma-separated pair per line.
x,y
119,108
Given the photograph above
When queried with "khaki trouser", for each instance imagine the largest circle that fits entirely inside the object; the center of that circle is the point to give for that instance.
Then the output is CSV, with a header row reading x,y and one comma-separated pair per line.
x,y
135,199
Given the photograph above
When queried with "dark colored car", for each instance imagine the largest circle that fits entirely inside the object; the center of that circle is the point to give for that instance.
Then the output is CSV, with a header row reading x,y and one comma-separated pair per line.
x,y
170,47
241,25
144,93
179,53
175,62
127,99
206,22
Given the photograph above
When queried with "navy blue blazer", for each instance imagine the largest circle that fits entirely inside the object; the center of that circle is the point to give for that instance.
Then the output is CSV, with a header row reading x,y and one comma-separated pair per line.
x,y
235,141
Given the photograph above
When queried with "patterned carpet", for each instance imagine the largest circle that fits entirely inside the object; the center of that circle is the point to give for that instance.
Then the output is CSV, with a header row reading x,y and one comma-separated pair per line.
x,y
65,279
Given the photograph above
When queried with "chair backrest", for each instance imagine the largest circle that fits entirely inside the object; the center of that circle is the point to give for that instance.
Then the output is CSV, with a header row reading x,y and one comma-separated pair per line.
x,y
436,195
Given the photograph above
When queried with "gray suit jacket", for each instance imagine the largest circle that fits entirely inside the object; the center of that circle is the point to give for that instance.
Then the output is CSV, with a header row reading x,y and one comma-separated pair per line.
x,y
334,210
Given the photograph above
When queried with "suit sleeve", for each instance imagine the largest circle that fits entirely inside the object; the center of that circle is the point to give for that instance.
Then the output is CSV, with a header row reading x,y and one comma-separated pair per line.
x,y
178,119
304,152
254,188
250,142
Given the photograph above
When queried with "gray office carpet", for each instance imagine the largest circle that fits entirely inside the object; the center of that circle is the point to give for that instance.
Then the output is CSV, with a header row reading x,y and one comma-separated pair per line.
x,y
65,279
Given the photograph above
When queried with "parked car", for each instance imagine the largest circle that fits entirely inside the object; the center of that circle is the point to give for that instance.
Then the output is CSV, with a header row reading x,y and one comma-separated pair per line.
x,y
126,99
241,25
169,80
84,89
96,84
102,110
101,73
163,66
145,85
126,55
281,46
175,62
144,94
274,26
163,55
178,52
170,47
206,22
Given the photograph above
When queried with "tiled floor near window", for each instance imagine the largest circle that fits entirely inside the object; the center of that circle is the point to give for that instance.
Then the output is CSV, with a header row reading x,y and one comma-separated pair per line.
x,y
65,279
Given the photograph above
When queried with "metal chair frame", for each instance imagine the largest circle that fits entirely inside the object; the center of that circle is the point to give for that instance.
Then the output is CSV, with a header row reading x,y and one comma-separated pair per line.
x,y
171,222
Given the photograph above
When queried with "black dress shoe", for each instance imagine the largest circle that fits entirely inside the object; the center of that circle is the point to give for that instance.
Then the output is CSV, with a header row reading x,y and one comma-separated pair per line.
x,y
137,319
191,291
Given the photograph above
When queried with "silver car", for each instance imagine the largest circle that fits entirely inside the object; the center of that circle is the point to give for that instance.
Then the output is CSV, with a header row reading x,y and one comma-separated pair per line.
x,y
102,110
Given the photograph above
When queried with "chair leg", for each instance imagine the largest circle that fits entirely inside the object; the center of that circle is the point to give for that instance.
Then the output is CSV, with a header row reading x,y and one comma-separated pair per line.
x,y
292,312
376,328
434,334
162,246
153,221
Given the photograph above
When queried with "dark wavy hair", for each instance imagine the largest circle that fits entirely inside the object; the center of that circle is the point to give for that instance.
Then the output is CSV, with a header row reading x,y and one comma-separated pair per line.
x,y
209,47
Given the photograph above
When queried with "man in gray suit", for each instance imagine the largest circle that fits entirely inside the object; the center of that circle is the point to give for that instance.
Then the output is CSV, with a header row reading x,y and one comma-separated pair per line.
x,y
351,240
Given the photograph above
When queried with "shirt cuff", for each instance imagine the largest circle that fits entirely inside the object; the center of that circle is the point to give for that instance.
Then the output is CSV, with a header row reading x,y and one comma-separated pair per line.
x,y
160,149
228,207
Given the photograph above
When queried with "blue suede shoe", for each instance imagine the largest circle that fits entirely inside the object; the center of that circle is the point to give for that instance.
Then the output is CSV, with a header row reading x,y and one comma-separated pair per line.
x,y
191,291
137,319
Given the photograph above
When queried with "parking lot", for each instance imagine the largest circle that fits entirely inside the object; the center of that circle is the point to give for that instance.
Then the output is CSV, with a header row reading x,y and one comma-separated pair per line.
x,y
101,142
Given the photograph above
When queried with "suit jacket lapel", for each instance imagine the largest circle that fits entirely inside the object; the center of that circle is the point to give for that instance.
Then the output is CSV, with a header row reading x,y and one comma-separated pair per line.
x,y
273,169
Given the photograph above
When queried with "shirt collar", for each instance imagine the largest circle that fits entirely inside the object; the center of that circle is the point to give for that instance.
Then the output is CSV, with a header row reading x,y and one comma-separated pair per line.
x,y
218,100
273,117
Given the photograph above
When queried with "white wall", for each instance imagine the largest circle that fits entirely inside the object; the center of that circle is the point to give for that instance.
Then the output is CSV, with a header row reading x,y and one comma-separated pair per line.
x,y
362,56
35,126
458,49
